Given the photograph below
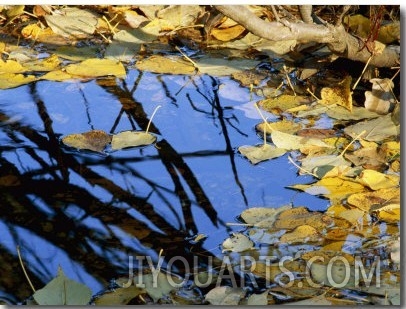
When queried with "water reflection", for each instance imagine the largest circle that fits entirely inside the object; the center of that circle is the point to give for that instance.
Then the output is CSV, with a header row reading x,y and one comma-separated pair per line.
x,y
88,212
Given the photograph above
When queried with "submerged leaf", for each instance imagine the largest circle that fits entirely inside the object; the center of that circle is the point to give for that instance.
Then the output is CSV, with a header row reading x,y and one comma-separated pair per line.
x,y
63,291
95,140
131,139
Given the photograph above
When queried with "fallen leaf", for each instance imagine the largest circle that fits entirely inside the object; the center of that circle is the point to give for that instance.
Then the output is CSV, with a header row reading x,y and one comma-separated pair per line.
x,y
97,67
237,243
376,129
376,180
62,291
72,22
10,80
225,295
165,65
301,234
261,152
294,142
95,140
340,94
262,217
131,139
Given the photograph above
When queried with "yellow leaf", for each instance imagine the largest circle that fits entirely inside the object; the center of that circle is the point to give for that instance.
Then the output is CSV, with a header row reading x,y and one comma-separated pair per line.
x,y
227,34
340,94
366,200
336,189
376,180
9,80
165,65
97,67
301,234
11,66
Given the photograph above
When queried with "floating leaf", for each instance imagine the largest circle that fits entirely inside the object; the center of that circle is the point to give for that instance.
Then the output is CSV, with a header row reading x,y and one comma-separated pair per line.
x,y
95,140
376,129
340,94
131,139
97,67
10,80
119,296
376,180
165,65
336,189
225,295
293,142
11,66
260,153
221,67
262,216
237,243
301,234
63,291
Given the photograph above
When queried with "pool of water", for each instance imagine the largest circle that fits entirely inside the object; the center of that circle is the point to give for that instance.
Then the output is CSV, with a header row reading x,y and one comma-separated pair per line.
x,y
89,212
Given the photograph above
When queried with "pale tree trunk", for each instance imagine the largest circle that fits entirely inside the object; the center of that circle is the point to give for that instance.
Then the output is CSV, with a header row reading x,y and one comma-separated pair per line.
x,y
337,39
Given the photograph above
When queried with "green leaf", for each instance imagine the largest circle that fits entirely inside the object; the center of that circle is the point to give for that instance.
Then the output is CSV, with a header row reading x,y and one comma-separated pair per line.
x,y
131,139
63,291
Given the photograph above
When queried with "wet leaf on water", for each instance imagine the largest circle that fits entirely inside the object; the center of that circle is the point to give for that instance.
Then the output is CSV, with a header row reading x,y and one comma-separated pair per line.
x,y
72,22
43,65
237,243
10,80
340,94
58,76
127,43
286,126
301,235
119,296
223,67
380,99
63,291
131,139
283,103
11,66
225,295
261,152
95,140
258,299
317,164
293,142
161,286
376,180
357,113
336,189
376,129
165,65
263,217
75,53
366,200
97,67
292,218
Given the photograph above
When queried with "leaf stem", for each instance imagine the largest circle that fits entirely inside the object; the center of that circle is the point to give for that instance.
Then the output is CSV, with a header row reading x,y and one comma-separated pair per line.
x,y
150,120
25,272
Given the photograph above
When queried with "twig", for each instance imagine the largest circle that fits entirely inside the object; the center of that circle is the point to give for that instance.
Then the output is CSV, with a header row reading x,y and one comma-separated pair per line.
x,y
25,272
362,73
